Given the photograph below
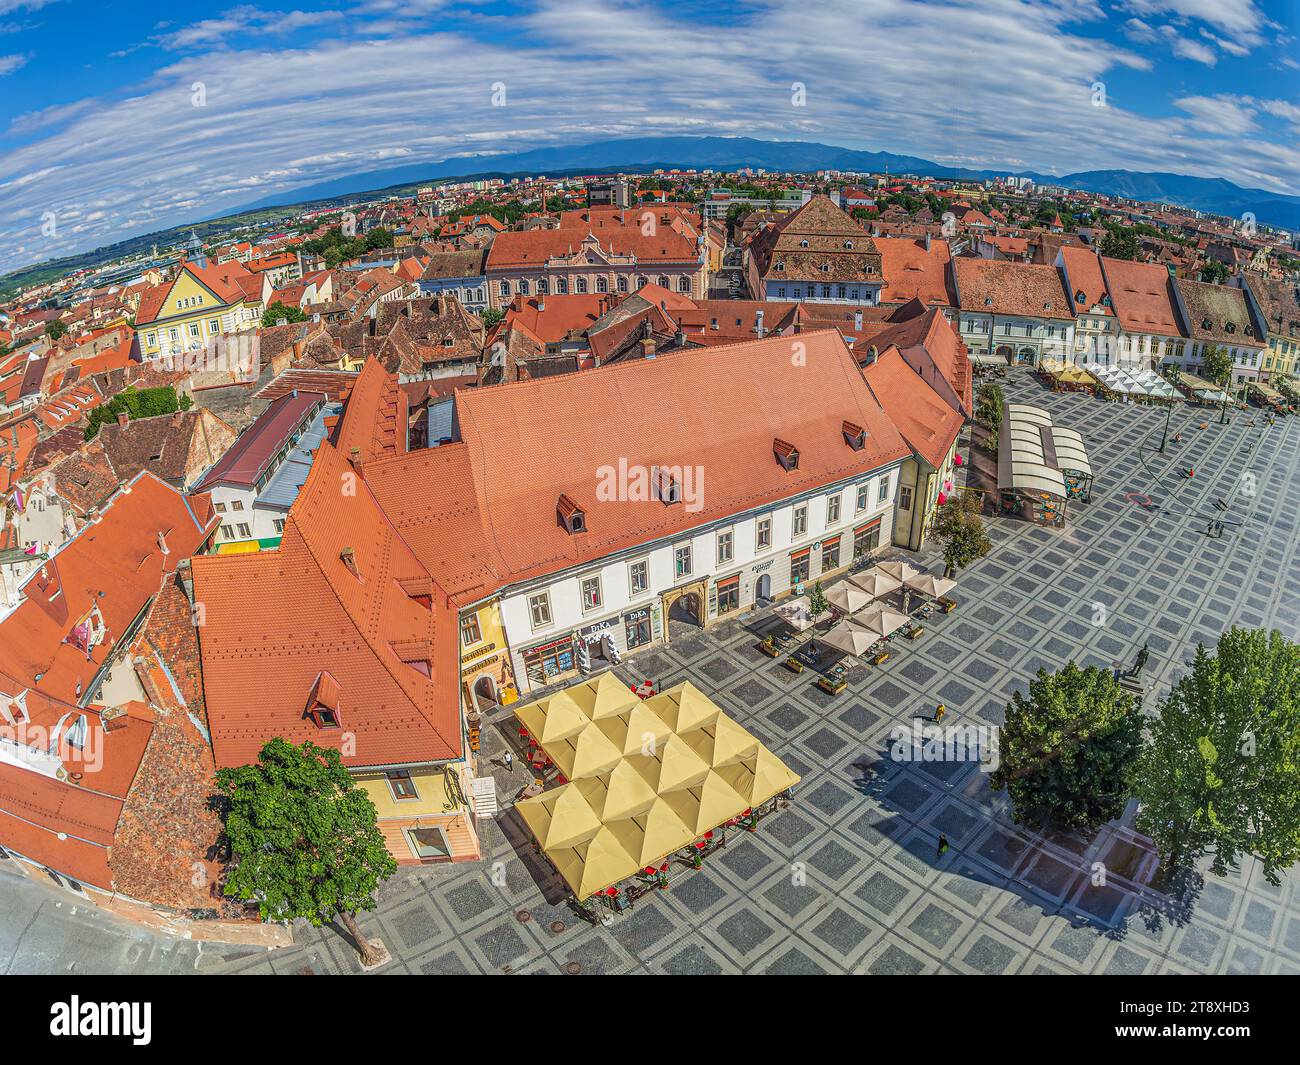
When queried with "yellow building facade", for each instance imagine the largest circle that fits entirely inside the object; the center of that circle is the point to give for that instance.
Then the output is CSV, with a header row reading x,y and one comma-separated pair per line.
x,y
195,308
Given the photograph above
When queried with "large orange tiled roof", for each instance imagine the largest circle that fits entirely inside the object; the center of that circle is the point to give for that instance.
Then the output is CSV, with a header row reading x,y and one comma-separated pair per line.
x,y
342,594
1142,296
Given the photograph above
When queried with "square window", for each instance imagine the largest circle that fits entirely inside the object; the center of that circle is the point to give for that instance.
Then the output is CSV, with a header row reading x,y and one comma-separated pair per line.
x,y
638,574
725,543
470,633
539,609
682,563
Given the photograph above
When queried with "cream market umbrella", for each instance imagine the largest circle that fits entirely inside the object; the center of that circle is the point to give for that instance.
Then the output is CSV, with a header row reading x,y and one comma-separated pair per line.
x,y
849,598
622,792
756,780
602,696
684,707
594,865
929,584
652,835
708,804
588,753
638,731
561,817
674,766
850,638
875,583
553,719
880,620
722,742
898,569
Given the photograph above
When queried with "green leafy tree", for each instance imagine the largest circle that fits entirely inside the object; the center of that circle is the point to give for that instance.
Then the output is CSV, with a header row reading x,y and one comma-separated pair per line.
x,y
1121,242
817,605
1219,773
304,839
1215,272
1218,366
491,316
279,312
1218,369
1069,749
55,329
959,527
988,405
136,403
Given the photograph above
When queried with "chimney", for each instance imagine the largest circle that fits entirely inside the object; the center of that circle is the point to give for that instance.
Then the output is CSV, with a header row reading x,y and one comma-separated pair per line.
x,y
758,322
112,718
162,543
927,240
857,321
122,419
648,348
541,301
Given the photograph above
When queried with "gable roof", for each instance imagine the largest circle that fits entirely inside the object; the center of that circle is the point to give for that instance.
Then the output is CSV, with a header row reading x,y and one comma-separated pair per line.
x,y
993,286
379,624
1142,295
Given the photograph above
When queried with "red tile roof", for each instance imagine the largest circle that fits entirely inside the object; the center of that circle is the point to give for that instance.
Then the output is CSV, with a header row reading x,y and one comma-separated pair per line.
x,y
313,612
1085,279
913,272
1142,295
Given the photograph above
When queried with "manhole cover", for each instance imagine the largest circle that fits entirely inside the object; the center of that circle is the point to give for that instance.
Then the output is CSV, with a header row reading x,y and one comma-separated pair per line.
x,y
573,968
523,916
557,927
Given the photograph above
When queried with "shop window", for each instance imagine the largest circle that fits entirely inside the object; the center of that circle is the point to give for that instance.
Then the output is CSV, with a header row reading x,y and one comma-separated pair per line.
x,y
729,595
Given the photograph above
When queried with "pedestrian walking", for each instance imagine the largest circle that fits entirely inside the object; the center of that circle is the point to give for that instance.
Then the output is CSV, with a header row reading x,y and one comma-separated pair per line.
x,y
509,760
943,845
939,711
1142,657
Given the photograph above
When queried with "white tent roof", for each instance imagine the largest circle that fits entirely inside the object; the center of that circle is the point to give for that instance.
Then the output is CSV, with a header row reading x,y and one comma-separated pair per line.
x,y
1026,451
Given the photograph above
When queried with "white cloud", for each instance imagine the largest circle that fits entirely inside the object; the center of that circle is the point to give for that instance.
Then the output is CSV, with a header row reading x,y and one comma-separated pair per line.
x,y
1225,115
10,63
893,75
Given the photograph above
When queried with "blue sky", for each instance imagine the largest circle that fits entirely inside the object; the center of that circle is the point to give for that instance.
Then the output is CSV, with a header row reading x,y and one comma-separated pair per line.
x,y
114,123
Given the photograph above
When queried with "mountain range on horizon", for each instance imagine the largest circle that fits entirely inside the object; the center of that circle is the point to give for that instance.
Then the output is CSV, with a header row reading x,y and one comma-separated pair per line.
x,y
644,154
1214,195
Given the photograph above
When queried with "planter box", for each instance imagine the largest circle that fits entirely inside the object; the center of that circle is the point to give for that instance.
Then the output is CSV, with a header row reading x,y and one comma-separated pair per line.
x,y
794,665
947,605
915,633
832,686
769,649
881,658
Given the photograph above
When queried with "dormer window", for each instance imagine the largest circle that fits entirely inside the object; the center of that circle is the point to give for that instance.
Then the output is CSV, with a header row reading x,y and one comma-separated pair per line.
x,y
571,515
1205,323
667,486
988,301
1080,298
1231,327
848,245
786,454
349,559
854,435
780,266
323,702
803,244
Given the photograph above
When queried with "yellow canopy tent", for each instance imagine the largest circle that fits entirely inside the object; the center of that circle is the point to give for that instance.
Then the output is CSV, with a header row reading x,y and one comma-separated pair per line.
x,y
561,817
722,742
757,779
622,792
1073,375
638,731
684,707
553,719
602,696
586,754
595,864
674,766
653,835
708,804
629,803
